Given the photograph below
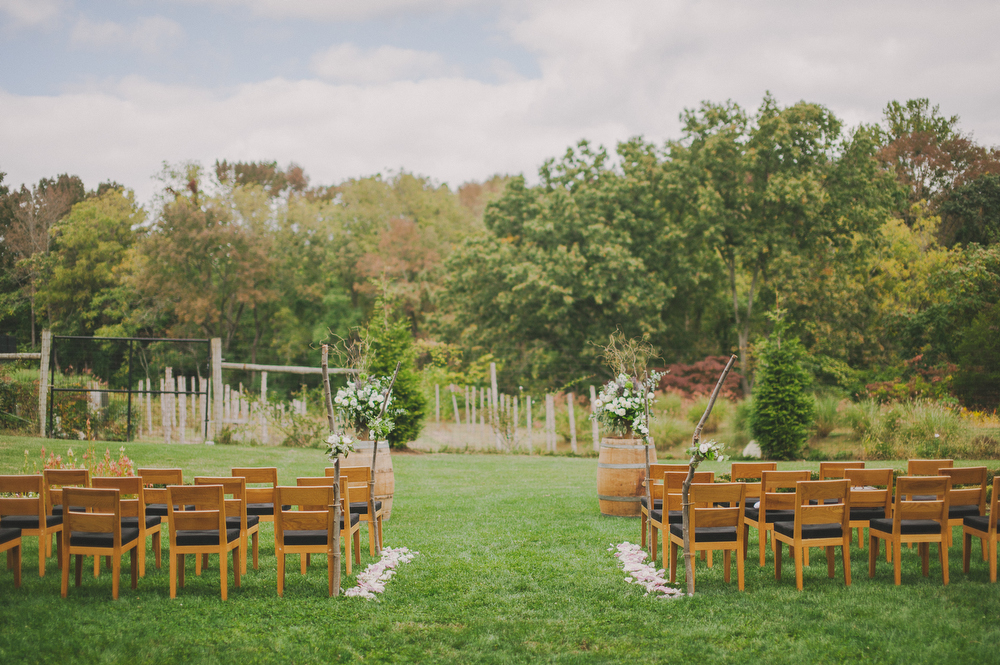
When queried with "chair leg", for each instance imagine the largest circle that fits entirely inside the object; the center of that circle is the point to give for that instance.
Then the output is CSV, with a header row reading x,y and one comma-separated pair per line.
x,y
256,534
642,528
993,558
372,527
16,556
673,561
762,542
829,561
116,572
726,564
924,549
872,553
805,555
357,545
65,575
224,573
157,545
134,562
41,555
653,537
304,562
897,570
861,540
845,550
739,568
778,546
347,550
281,573
800,553
966,551
79,569
180,571
140,547
237,574
943,554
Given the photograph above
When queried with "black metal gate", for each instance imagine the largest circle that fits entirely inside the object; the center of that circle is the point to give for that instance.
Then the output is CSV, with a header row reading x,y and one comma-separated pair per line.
x,y
94,385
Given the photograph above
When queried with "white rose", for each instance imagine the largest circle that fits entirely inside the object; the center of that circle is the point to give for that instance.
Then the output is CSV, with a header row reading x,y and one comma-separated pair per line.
x,y
704,448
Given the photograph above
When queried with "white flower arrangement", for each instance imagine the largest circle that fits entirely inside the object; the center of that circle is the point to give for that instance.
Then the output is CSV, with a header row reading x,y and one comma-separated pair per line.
x,y
360,404
339,445
707,450
622,404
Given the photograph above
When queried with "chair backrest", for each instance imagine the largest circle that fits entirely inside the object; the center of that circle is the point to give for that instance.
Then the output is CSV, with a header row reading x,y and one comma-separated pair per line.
x,y
127,486
871,488
209,513
973,478
235,486
835,470
326,481
709,511
927,467
56,479
752,471
313,514
103,511
771,482
260,475
159,477
673,485
358,478
20,503
995,503
822,512
925,509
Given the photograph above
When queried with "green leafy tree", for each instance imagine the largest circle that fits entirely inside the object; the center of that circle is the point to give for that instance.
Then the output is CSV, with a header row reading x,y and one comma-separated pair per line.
x,y
392,342
782,408
977,382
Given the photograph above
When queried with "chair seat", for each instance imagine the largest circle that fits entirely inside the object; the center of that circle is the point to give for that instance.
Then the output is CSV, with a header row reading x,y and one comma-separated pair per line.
x,y
657,503
908,527
152,521
810,531
955,512
707,534
58,510
9,534
361,507
28,521
772,515
204,537
160,509
867,513
234,522
263,508
977,522
306,537
101,539
673,517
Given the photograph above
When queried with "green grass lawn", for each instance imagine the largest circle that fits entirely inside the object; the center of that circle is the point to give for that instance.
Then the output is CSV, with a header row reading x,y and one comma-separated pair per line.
x,y
513,568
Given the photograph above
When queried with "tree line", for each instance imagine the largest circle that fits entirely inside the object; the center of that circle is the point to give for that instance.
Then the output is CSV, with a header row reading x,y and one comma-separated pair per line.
x,y
879,242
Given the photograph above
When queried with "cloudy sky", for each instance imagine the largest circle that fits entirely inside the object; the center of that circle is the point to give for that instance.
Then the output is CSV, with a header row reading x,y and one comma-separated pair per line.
x,y
453,89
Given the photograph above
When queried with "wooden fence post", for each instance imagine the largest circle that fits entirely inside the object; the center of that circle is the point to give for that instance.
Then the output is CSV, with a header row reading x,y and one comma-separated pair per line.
x,y
570,398
216,415
182,411
454,404
494,404
264,436
43,381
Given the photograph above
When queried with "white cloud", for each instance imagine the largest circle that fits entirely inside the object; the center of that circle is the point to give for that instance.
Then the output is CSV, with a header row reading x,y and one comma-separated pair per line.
x,y
345,9
150,35
346,63
31,12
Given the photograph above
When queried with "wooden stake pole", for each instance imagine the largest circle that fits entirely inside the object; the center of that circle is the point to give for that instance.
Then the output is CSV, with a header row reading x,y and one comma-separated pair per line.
x,y
331,421
685,502
371,479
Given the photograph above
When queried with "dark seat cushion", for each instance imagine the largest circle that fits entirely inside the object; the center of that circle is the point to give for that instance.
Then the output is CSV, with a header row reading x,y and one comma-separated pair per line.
x,y
909,527
772,515
673,516
867,513
829,502
58,510
101,539
809,530
954,512
160,509
361,507
657,503
7,535
28,521
196,537
151,521
234,522
978,522
306,537
707,534
263,508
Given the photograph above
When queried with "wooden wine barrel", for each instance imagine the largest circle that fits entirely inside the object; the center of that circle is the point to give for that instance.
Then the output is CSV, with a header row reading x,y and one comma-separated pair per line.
x,y
385,481
621,468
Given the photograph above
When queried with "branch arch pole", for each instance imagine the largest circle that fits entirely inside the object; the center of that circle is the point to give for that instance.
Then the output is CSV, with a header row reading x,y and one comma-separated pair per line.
x,y
331,421
685,503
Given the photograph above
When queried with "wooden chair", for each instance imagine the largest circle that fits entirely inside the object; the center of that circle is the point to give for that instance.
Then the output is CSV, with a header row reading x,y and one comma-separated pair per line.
x,y
716,524
835,470
200,531
927,467
308,530
914,521
156,497
260,500
655,481
774,506
871,498
968,495
822,519
984,528
10,542
673,485
236,514
750,473
96,530
351,534
55,480
359,478
29,513
133,512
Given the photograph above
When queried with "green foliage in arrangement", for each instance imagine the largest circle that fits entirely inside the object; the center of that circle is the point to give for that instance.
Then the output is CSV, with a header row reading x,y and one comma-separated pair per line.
x,y
782,406
392,342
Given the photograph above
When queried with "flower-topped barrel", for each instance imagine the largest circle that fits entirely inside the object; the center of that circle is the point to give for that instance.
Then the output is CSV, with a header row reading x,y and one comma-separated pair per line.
x,y
623,406
360,406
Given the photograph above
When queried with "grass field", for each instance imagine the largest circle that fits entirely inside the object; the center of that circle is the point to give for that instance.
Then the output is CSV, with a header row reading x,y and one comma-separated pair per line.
x,y
513,568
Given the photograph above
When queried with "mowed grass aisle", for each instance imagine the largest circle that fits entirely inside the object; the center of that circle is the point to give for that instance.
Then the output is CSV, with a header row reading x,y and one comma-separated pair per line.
x,y
513,568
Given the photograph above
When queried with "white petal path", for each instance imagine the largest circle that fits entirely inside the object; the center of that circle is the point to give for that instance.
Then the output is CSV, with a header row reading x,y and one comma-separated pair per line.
x,y
372,580
632,558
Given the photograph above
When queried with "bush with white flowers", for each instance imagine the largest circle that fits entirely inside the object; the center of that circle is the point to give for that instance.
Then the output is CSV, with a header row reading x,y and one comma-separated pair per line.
x,y
622,404
360,405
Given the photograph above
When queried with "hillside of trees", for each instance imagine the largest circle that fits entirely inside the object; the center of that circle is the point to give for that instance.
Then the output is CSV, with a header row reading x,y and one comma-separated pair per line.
x,y
881,243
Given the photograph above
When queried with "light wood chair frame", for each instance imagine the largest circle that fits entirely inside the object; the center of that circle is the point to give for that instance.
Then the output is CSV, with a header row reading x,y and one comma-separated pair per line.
x,y
673,482
927,467
988,538
23,505
55,480
133,486
351,533
13,549
315,513
772,500
209,515
835,470
706,511
236,507
750,473
158,495
103,515
655,482
905,509
259,475
965,496
359,479
863,496
823,512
